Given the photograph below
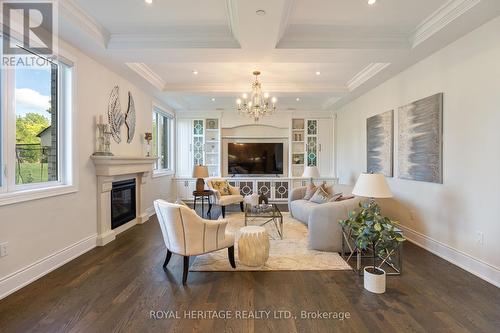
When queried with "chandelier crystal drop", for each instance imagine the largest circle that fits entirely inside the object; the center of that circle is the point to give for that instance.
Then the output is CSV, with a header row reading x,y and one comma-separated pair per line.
x,y
259,104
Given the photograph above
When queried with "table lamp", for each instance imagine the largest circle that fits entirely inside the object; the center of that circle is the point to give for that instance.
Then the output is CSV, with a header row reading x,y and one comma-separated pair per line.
x,y
373,186
200,172
311,172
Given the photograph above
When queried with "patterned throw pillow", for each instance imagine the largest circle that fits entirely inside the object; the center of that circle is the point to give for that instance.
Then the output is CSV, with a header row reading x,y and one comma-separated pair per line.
x,y
310,190
221,186
336,197
320,196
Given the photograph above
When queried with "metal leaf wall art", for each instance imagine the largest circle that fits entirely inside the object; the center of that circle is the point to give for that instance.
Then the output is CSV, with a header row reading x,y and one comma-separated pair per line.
x,y
115,115
130,118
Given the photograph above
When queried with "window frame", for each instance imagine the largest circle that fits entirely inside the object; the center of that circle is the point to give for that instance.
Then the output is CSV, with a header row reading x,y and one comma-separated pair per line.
x,y
160,111
10,192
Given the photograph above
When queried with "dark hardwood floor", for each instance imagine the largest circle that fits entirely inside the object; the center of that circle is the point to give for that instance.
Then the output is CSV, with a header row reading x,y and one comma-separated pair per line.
x,y
115,288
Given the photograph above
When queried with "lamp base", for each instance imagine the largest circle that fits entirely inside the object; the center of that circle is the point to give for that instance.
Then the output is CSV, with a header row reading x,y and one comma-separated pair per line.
x,y
200,185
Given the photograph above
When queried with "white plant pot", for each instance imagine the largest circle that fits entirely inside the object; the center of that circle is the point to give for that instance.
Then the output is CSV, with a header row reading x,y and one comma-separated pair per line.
x,y
374,283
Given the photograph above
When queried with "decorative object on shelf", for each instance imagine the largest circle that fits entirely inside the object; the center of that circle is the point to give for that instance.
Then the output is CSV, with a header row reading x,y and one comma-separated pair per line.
x,y
373,232
103,139
200,172
420,151
130,118
380,143
212,124
311,172
115,115
259,104
148,137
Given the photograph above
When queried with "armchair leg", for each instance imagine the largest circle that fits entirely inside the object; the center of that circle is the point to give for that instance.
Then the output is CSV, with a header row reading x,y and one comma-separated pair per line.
x,y
241,207
223,211
186,270
230,254
167,259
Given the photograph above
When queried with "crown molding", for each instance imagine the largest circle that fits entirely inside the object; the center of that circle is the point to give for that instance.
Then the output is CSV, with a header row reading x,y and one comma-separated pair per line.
x,y
330,102
77,16
285,17
365,74
175,37
438,20
148,74
233,19
311,36
270,87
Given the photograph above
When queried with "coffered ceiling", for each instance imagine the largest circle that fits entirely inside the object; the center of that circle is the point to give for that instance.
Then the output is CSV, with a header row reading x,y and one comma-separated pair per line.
x,y
322,52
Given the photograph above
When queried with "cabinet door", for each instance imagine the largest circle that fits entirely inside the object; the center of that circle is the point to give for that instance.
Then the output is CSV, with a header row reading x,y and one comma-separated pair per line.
x,y
312,142
198,142
184,148
325,147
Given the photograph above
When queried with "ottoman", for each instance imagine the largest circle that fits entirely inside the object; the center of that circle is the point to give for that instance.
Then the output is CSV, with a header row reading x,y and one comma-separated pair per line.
x,y
253,246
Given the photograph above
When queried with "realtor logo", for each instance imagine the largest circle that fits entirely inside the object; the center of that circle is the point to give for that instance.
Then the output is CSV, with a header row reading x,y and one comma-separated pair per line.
x,y
28,26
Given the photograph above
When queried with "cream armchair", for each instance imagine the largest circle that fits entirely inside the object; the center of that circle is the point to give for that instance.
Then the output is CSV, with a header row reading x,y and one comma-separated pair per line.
x,y
226,200
187,234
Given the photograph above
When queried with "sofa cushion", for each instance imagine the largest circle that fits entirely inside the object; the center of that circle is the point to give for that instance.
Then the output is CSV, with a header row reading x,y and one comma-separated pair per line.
x,y
222,186
310,190
301,209
230,199
320,197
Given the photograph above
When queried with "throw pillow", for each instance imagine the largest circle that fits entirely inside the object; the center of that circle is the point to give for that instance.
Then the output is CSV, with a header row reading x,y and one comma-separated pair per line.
x,y
320,196
335,197
329,189
343,198
310,190
221,186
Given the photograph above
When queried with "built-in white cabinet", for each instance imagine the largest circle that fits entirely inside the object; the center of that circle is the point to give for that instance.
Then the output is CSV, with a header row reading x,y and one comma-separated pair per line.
x,y
185,189
311,142
198,143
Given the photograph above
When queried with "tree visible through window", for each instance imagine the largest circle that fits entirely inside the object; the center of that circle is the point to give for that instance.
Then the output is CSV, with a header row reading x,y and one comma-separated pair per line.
x,y
36,110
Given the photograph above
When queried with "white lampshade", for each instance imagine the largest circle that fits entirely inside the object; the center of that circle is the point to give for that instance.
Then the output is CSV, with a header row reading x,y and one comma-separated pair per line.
x,y
372,186
311,172
200,171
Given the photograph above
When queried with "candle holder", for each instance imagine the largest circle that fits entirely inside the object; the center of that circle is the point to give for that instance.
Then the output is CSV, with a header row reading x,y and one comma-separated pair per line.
x,y
103,141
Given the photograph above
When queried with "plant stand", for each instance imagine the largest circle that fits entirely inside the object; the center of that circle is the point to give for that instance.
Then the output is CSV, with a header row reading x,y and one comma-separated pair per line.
x,y
392,263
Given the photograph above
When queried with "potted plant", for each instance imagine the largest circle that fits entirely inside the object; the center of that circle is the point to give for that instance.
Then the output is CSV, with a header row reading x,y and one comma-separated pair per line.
x,y
376,233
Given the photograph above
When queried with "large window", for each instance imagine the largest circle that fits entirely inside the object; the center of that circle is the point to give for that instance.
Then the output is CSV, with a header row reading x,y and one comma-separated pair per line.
x,y
163,124
35,142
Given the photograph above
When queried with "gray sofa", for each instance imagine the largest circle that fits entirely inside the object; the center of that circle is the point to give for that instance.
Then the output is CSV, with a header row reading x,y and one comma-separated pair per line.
x,y
325,233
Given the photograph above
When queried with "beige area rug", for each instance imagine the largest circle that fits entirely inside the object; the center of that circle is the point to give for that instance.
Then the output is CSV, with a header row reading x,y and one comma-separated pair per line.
x,y
289,254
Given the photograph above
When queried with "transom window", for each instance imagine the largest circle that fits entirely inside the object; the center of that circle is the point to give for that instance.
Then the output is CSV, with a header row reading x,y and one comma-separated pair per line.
x,y
163,124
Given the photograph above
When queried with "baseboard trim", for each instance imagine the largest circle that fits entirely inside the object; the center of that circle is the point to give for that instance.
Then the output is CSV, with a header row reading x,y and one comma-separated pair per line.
x,y
21,278
475,266
150,211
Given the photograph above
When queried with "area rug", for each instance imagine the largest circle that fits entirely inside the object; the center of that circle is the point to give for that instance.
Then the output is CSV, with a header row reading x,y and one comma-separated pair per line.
x,y
287,254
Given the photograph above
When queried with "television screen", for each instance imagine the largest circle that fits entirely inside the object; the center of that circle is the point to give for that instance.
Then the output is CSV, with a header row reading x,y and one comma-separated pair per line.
x,y
255,159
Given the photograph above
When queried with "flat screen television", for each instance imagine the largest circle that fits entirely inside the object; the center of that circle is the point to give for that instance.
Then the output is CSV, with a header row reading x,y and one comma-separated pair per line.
x,y
255,159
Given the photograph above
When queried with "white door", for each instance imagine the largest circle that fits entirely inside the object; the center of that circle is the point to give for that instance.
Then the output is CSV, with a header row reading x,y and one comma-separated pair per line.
x,y
184,148
325,147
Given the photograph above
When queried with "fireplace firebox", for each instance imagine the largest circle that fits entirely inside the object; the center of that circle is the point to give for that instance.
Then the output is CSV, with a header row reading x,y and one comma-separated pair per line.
x,y
123,207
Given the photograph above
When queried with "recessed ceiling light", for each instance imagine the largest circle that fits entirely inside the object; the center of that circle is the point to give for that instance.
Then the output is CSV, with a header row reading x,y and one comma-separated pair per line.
x,y
213,99
148,1
195,72
371,2
260,12
298,99
318,73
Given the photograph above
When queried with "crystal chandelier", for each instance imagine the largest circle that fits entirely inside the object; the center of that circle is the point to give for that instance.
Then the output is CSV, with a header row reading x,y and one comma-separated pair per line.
x,y
258,105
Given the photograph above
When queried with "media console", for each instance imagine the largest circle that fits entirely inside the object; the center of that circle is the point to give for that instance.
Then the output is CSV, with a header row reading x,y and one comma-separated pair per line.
x,y
276,189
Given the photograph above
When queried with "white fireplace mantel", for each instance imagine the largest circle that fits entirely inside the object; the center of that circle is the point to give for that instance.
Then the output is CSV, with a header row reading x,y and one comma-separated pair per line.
x,y
115,168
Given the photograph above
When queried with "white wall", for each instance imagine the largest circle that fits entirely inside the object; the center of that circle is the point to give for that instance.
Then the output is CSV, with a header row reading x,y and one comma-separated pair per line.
x,y
41,228
444,218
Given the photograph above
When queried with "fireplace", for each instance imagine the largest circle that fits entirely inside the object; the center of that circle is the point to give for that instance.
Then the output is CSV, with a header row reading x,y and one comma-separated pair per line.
x,y
123,203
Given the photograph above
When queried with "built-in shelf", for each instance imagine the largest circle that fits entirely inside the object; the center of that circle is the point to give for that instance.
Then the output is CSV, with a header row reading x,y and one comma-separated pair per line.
x,y
298,141
298,165
211,141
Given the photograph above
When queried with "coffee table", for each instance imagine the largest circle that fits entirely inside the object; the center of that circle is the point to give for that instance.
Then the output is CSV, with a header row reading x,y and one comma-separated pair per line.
x,y
269,213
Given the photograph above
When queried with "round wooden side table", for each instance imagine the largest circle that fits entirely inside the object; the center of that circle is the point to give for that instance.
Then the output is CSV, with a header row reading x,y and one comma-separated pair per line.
x,y
205,194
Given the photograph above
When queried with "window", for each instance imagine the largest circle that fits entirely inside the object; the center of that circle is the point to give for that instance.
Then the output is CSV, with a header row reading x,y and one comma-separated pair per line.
x,y
35,142
163,139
